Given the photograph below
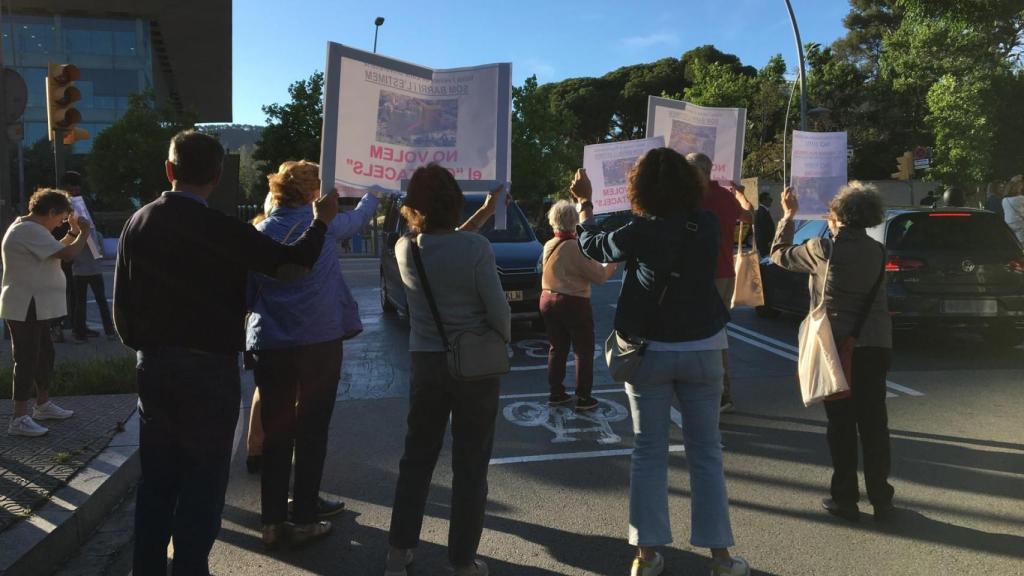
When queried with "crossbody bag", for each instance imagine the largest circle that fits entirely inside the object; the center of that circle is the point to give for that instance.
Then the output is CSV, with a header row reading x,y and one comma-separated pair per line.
x,y
471,354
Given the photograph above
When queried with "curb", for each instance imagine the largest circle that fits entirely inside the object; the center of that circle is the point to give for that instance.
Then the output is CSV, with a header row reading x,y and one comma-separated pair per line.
x,y
42,542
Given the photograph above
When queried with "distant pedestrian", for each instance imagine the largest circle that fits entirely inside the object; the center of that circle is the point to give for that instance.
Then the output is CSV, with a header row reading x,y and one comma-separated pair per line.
x,y
846,272
764,224
33,296
994,200
1013,206
86,275
179,300
294,335
463,279
565,307
730,206
670,301
929,200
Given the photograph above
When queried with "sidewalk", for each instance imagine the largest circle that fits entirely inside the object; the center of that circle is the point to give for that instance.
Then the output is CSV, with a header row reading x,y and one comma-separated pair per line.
x,y
49,484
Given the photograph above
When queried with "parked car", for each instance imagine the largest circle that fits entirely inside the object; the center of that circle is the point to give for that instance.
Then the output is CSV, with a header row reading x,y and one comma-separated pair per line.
x,y
947,269
516,251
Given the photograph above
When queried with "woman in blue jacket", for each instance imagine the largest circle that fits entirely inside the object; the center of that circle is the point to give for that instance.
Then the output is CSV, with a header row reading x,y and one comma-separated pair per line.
x,y
669,301
294,333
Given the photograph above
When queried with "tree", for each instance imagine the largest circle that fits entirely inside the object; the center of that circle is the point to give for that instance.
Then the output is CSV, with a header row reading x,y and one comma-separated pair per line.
x,y
543,151
250,176
293,129
127,158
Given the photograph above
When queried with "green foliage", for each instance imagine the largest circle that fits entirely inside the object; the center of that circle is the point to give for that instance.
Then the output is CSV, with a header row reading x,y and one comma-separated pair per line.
x,y
110,375
250,175
293,129
543,153
963,134
127,159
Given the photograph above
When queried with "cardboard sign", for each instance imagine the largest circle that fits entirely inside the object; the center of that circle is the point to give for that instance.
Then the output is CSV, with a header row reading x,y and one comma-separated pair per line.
x,y
78,205
608,166
716,132
383,118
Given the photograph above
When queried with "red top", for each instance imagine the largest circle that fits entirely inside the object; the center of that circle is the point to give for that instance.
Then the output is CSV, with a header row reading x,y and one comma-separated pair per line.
x,y
724,205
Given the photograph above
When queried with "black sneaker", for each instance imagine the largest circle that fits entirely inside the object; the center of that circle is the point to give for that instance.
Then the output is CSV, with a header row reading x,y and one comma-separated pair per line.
x,y
559,399
884,512
324,508
586,403
846,511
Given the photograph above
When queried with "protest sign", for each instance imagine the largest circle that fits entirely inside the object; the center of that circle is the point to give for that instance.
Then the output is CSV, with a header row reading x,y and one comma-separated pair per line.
x,y
686,128
78,205
608,165
818,170
383,118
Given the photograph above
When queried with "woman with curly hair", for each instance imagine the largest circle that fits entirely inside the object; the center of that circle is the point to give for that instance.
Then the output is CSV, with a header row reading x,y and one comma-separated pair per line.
x,y
669,302
294,335
849,272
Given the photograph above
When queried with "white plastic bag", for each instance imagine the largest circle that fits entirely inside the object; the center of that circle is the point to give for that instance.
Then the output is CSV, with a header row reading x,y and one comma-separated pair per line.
x,y
819,367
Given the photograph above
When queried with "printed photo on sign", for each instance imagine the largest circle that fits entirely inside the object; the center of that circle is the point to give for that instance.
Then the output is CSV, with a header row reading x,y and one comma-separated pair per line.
x,y
383,118
686,138
715,132
615,171
411,121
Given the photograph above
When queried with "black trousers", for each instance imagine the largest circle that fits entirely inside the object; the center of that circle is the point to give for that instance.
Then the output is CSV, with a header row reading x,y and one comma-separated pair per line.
x,y
434,396
864,413
82,286
298,387
32,350
188,408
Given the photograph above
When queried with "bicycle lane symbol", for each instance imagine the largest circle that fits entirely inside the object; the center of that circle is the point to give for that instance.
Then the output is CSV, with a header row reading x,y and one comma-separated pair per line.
x,y
565,423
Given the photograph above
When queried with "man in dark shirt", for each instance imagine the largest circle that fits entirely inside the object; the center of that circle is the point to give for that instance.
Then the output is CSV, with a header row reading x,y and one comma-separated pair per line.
x,y
179,300
994,201
764,224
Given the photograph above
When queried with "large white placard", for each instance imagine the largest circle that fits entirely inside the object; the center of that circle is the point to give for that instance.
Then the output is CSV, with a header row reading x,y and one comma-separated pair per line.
x,y
818,170
686,128
608,166
78,205
383,118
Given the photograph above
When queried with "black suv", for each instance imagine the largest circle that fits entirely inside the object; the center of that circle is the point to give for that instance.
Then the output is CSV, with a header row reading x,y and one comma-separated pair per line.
x,y
516,251
951,268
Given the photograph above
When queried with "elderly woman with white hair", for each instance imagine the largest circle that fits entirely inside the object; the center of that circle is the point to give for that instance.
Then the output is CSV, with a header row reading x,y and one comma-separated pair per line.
x,y
565,306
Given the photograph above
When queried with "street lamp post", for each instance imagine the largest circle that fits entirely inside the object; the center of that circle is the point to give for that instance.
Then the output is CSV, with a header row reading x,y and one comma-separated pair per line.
x,y
378,23
803,68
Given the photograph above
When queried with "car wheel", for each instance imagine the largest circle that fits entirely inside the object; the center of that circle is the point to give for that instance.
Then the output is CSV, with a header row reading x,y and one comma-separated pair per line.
x,y
1003,337
385,302
767,312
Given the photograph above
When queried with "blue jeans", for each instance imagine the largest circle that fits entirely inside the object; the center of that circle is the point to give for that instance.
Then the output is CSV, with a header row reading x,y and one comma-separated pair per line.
x,y
696,380
188,408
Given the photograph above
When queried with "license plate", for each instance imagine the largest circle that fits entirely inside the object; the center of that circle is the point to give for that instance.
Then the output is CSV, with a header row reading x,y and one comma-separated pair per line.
x,y
514,295
975,307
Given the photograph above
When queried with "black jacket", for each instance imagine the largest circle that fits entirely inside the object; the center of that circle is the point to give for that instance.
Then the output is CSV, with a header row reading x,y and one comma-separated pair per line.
x,y
680,250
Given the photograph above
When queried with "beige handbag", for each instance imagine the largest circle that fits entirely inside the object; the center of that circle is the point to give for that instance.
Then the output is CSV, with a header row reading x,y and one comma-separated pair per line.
x,y
748,291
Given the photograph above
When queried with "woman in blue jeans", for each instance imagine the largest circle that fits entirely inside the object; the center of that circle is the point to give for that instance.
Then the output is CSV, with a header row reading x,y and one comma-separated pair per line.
x,y
669,300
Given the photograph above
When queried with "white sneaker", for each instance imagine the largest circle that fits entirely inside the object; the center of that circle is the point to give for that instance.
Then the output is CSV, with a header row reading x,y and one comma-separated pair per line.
x,y
652,567
51,411
25,426
738,567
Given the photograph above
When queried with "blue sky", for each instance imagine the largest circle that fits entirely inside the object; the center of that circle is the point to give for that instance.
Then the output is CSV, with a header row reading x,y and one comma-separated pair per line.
x,y
277,43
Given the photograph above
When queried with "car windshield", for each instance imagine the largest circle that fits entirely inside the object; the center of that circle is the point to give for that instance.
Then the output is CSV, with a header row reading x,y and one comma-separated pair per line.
x,y
949,231
517,230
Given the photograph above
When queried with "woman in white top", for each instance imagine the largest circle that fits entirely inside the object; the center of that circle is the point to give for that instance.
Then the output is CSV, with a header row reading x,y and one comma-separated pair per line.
x,y
33,294
1013,206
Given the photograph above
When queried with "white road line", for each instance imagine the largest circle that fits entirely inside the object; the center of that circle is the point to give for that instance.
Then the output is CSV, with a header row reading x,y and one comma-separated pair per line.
x,y
573,455
677,418
787,355
764,338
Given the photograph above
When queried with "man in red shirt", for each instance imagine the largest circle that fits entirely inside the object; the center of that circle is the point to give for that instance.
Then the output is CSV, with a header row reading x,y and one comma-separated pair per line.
x,y
730,206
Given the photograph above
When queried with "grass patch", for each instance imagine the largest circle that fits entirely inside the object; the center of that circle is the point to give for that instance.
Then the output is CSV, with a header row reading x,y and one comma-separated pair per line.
x,y
109,375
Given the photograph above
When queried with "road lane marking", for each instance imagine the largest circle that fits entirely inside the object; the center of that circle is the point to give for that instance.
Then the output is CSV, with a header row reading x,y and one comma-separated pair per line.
x,y
574,455
677,418
789,356
764,338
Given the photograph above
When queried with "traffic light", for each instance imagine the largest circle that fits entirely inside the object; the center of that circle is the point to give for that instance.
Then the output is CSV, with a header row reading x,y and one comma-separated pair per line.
x,y
904,167
75,134
61,95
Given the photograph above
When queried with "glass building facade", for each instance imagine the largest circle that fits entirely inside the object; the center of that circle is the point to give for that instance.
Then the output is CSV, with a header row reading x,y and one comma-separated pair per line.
x,y
113,55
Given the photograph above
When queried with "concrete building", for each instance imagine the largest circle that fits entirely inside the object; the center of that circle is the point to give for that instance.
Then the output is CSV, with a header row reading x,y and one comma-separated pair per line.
x,y
180,49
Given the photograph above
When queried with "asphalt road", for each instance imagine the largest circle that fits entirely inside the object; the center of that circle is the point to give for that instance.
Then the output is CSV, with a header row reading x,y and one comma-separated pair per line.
x,y
559,481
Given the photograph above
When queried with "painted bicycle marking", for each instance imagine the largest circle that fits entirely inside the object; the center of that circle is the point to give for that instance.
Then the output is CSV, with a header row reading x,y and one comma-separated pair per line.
x,y
566,423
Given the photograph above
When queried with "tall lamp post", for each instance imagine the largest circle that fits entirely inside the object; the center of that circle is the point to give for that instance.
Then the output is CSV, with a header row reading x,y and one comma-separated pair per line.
x,y
378,23
803,68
